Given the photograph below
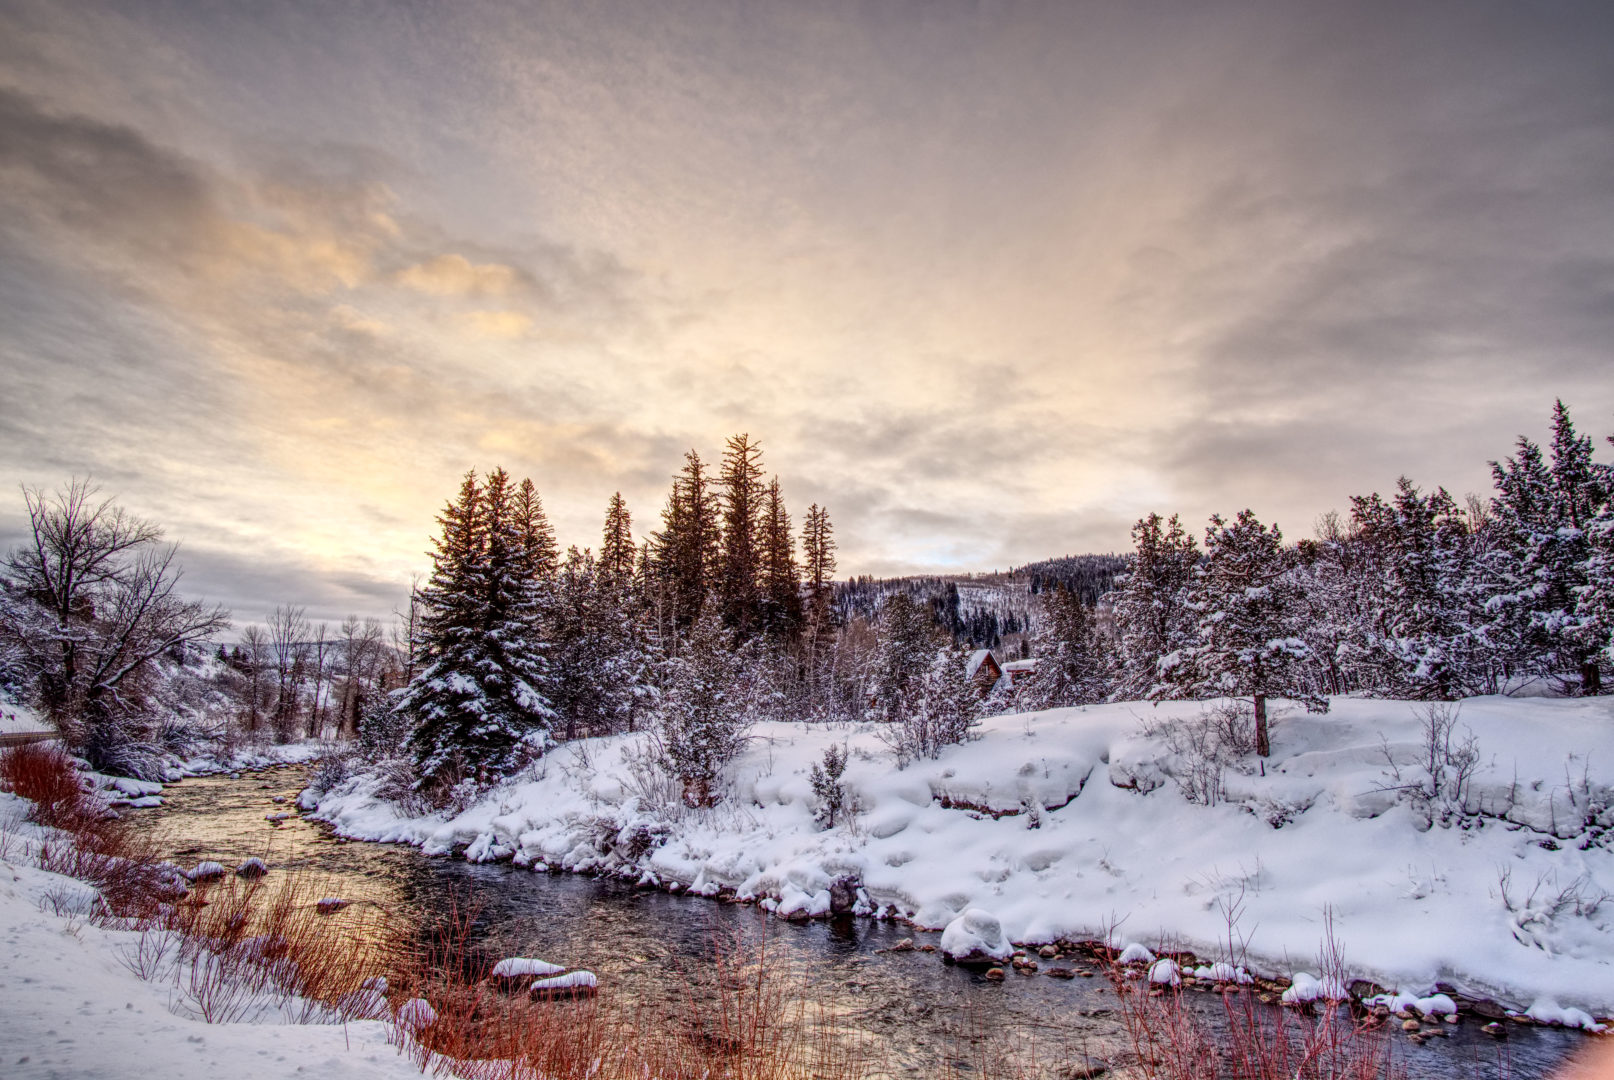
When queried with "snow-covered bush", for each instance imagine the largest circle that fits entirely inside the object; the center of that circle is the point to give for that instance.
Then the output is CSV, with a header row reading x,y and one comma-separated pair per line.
x,y
1203,746
946,713
1438,787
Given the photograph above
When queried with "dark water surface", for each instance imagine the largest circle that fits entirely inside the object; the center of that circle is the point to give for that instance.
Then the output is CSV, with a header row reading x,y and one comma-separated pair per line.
x,y
639,943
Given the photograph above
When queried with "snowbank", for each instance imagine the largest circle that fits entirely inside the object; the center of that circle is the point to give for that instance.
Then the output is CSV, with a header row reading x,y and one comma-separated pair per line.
x,y
1057,824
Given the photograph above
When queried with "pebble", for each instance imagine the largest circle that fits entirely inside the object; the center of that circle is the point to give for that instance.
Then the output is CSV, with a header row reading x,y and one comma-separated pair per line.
x,y
993,974
1495,1030
1411,1025
1048,952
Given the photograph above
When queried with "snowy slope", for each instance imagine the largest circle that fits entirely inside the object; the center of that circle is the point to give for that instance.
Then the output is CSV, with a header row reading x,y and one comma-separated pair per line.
x,y
1057,823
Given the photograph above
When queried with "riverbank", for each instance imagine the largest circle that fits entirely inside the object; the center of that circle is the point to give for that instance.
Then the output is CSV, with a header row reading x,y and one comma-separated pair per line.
x,y
74,1006
1487,880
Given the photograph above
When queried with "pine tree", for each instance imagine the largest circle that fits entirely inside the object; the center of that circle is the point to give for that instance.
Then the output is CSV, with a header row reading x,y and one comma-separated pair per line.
x,y
686,552
617,549
702,723
781,580
1247,614
739,587
537,536
1151,618
601,658
1424,637
477,702
907,644
1071,668
826,783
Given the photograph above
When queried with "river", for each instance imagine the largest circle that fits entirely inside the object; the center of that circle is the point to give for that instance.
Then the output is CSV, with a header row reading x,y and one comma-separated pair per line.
x,y
918,1009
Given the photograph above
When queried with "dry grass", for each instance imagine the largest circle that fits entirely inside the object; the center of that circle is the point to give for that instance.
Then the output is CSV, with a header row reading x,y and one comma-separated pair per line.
x,y
45,776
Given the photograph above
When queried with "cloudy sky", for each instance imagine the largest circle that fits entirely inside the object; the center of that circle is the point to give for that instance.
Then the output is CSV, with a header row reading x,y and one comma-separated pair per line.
x,y
990,280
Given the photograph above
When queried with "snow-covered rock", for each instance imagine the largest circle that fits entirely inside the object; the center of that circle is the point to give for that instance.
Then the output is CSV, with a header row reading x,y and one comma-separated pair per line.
x,y
572,984
974,937
1165,972
1135,953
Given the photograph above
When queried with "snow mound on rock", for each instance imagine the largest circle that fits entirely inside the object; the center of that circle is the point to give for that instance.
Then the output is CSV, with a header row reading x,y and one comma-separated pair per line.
x,y
975,935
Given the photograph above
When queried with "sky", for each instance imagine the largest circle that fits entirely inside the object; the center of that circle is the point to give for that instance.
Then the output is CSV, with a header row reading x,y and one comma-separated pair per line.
x,y
988,280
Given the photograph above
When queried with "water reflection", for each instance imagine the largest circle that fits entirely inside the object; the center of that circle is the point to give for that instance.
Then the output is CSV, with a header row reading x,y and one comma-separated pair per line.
x,y
648,947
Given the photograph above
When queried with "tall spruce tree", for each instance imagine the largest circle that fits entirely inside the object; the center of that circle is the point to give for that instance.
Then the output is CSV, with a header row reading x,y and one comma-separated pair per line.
x,y
477,704
617,550
818,565
739,585
686,552
1248,614
781,578
1151,616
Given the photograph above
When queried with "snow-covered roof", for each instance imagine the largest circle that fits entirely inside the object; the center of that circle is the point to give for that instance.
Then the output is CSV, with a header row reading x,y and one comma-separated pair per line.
x,y
1021,665
977,658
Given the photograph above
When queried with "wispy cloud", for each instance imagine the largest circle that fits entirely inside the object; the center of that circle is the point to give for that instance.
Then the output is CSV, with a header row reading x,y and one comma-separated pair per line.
x,y
989,282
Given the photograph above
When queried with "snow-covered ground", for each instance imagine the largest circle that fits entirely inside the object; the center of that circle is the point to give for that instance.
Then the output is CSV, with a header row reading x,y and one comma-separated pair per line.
x,y
71,1006
18,717
1056,824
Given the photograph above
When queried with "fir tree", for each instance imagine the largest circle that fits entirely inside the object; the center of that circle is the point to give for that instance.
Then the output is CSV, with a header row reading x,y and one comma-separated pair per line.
x,y
1071,667
702,723
907,645
1423,637
1542,514
781,580
537,536
1151,617
477,702
825,779
739,586
945,711
686,552
1247,614
601,659
617,551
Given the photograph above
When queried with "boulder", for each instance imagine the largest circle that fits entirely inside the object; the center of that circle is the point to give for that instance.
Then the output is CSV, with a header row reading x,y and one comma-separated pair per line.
x,y
843,894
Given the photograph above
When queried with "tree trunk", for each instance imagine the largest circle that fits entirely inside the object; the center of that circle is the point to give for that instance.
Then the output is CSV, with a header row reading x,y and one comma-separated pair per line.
x,y
1591,679
1263,745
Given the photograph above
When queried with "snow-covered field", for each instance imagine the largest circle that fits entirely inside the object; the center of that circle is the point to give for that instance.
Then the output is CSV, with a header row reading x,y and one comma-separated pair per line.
x,y
72,1006
1058,824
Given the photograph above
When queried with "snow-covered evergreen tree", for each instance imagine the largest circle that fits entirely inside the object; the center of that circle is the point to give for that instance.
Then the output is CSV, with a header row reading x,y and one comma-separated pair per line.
x,y
1151,617
478,701
1426,637
702,722
685,555
739,582
1247,612
1542,514
780,579
600,658
1071,662
617,550
907,645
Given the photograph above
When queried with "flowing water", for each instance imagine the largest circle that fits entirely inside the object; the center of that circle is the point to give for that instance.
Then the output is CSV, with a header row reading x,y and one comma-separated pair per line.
x,y
639,942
